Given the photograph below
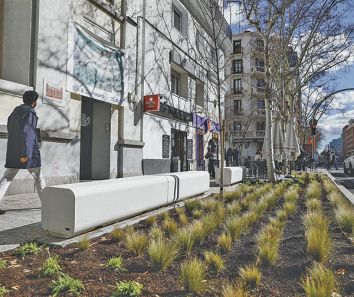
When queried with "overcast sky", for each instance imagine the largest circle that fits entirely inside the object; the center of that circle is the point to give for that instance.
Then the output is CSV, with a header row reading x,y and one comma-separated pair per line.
x,y
332,123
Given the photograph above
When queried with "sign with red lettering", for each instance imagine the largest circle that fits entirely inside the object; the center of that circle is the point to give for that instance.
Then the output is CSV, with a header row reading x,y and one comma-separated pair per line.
x,y
152,103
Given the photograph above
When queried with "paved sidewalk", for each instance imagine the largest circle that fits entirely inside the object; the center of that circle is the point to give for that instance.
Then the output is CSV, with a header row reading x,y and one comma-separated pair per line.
x,y
22,221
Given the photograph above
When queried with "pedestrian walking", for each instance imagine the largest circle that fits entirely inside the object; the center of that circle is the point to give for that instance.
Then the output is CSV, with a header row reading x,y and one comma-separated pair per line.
x,y
210,156
229,156
22,145
332,160
235,157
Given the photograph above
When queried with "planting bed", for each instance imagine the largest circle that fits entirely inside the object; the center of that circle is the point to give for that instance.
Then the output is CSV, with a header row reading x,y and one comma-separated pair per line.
x,y
259,229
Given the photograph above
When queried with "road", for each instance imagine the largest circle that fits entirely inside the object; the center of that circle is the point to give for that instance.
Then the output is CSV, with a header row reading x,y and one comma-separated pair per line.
x,y
345,180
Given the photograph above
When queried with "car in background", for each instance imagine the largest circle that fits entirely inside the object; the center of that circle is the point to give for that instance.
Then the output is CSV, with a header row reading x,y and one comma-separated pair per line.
x,y
348,164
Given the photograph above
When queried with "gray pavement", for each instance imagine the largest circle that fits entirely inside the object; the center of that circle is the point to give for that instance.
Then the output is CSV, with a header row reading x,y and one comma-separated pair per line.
x,y
21,223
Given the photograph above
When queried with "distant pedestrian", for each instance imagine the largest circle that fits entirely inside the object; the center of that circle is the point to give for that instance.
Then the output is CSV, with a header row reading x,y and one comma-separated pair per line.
x,y
229,156
236,156
258,156
22,145
332,160
210,156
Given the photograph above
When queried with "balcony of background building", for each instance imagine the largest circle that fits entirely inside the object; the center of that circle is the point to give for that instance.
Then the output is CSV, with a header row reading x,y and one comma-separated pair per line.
x,y
248,134
257,72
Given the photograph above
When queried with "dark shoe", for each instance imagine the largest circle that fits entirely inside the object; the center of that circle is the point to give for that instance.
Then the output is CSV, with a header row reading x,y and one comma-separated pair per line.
x,y
2,212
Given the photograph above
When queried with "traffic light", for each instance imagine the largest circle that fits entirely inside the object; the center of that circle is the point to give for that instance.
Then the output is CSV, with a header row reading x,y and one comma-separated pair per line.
x,y
313,126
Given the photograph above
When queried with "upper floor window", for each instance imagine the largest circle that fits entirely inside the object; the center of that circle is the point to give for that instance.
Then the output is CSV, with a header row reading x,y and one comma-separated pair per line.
x,y
260,85
177,19
237,126
260,104
261,126
260,44
237,47
237,86
175,83
237,106
238,66
260,65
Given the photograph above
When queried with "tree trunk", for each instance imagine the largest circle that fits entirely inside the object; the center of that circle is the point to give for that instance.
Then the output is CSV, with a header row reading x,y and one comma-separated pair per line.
x,y
269,146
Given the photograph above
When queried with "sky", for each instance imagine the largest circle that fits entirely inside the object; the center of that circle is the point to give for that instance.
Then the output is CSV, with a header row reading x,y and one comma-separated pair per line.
x,y
343,104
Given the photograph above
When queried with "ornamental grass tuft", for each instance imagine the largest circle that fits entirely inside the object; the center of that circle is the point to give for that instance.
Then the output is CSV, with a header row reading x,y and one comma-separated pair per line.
x,y
319,282
250,276
234,290
345,218
192,275
185,239
127,289
170,227
162,253
66,285
137,242
51,266
225,242
115,263
214,261
117,234
29,248
3,264
84,244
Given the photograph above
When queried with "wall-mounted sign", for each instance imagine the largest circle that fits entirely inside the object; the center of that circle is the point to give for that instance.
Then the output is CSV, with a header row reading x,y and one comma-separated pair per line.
x,y
152,103
166,146
53,93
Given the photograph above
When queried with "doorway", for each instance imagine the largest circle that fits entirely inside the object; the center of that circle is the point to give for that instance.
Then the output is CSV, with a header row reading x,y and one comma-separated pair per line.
x,y
179,147
95,139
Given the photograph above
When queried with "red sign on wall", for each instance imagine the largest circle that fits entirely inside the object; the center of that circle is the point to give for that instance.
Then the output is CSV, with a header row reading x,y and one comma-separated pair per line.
x,y
152,103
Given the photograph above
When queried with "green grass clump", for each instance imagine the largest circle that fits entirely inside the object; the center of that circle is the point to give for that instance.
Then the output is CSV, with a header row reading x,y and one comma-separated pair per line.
x,y
197,213
314,190
291,195
345,218
29,248
249,218
268,253
214,261
208,204
3,264
115,263
84,244
170,227
137,242
289,208
282,215
320,282
66,284
313,205
192,275
234,208
234,290
183,218
250,276
235,226
127,289
51,266
230,196
162,253
191,205
151,220
117,234
3,291
259,208
317,236
336,199
225,242
155,233
185,239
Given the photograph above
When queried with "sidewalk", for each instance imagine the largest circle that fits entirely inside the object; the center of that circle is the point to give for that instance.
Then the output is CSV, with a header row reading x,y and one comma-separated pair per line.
x,y
22,221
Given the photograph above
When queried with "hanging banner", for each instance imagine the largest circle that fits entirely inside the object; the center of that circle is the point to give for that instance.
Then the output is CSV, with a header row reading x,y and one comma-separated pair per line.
x,y
94,69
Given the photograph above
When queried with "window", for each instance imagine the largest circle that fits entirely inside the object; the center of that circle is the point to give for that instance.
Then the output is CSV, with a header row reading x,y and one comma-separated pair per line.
x,y
177,19
260,65
237,86
175,83
237,126
259,44
261,126
200,93
17,19
260,104
237,47
238,66
237,106
260,85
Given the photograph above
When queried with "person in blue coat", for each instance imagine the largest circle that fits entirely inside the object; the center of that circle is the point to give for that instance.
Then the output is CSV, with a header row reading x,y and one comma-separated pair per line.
x,y
22,145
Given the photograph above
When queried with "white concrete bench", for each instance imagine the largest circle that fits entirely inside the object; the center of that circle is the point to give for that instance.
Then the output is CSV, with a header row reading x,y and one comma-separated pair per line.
x,y
232,175
72,209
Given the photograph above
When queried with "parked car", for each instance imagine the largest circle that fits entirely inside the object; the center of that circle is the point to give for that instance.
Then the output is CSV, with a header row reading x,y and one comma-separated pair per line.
x,y
348,164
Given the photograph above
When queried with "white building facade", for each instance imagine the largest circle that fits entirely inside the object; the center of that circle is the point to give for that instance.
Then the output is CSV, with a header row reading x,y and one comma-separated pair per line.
x,y
245,107
92,63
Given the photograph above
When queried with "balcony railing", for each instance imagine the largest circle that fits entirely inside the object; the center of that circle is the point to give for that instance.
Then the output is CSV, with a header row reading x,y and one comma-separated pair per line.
x,y
248,134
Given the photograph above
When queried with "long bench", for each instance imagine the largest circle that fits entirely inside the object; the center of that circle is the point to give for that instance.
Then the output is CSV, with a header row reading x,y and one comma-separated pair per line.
x,y
68,210
232,175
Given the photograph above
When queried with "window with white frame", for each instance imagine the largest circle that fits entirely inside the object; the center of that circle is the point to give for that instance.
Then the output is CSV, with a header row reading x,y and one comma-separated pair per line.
x,y
237,86
260,65
175,83
237,47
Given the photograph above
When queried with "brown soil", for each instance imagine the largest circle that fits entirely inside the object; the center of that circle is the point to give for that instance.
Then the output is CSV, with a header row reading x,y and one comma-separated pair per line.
x,y
283,279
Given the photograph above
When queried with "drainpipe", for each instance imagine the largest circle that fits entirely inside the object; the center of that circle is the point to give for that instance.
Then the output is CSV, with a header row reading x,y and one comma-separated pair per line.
x,y
142,74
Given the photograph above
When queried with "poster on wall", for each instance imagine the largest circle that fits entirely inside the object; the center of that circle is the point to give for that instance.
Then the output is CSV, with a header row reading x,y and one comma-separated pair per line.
x,y
94,69
53,93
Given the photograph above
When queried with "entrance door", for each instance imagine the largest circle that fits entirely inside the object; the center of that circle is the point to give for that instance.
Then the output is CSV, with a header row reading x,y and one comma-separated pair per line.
x,y
179,147
95,139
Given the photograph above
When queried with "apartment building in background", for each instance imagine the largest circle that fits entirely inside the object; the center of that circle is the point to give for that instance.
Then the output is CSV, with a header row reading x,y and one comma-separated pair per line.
x,y
244,105
348,138
126,87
